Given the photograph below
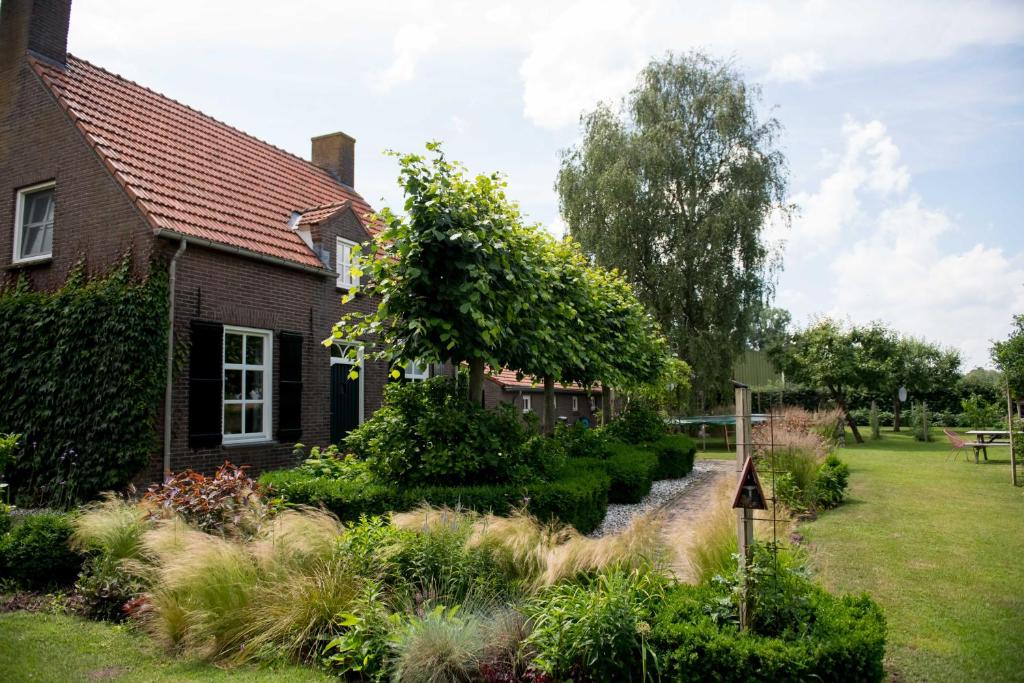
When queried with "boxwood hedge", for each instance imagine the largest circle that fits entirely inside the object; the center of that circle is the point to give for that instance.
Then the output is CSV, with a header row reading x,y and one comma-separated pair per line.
x,y
578,495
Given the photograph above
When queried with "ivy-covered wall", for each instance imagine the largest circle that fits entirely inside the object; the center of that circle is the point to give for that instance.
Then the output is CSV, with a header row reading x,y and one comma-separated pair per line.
x,y
81,377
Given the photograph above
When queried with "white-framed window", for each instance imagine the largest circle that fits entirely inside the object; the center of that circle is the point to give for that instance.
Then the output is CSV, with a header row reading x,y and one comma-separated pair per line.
x,y
593,404
575,404
416,371
248,362
527,403
33,222
344,260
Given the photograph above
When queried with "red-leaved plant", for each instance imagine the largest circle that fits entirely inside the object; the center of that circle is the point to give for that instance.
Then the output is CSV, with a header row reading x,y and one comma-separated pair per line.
x,y
230,503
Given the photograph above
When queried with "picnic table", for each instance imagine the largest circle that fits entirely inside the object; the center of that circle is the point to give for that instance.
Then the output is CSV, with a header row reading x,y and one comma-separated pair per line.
x,y
989,437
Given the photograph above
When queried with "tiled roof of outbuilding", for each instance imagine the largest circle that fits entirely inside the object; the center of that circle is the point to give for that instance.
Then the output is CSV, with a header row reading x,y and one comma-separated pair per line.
x,y
507,380
191,174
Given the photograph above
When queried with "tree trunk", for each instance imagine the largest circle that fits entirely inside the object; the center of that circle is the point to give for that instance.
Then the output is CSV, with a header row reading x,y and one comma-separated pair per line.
x,y
849,420
476,381
549,404
896,410
606,404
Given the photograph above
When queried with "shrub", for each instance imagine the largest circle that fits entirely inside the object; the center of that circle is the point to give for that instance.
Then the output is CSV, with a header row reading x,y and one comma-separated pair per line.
x,y
831,482
675,454
229,502
426,433
920,421
329,462
579,441
5,518
363,649
631,471
35,552
980,414
798,631
89,430
596,631
876,431
639,423
105,586
576,494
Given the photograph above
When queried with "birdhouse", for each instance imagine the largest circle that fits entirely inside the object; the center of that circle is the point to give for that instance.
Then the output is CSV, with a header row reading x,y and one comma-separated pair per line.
x,y
749,494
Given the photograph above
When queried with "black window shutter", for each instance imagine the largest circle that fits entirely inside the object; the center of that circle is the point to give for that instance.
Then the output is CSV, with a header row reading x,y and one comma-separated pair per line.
x,y
289,383
205,385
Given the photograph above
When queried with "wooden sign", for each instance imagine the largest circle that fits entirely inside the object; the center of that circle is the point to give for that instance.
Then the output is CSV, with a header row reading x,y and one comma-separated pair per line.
x,y
749,494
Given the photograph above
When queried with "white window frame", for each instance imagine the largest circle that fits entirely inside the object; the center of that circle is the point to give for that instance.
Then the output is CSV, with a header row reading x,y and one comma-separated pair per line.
x,y
527,403
593,404
344,267
575,404
335,360
19,213
268,385
416,371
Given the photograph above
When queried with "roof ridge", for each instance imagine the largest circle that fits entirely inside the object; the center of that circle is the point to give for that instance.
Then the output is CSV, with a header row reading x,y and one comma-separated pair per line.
x,y
205,116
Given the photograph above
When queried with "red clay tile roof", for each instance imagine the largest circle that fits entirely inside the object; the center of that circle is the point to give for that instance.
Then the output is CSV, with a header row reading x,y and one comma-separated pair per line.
x,y
506,379
191,174
318,214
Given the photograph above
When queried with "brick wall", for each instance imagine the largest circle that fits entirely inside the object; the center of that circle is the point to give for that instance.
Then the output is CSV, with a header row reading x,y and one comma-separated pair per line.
x,y
494,394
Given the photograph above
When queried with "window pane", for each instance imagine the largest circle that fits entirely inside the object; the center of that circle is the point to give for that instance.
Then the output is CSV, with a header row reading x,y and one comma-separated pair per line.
x,y
232,348
39,207
254,384
232,385
253,350
253,418
31,241
233,419
47,239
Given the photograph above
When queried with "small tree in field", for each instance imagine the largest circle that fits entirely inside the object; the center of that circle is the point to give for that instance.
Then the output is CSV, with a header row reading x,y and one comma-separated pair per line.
x,y
1009,358
876,429
453,274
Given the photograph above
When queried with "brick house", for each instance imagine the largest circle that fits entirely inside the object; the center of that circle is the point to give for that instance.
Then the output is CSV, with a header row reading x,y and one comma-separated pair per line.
x,y
573,403
256,240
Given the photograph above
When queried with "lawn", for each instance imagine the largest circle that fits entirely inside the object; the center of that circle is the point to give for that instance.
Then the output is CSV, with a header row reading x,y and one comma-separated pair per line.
x,y
47,647
941,546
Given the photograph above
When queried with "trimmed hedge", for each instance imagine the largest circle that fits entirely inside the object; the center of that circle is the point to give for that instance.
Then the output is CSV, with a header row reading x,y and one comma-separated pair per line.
x,y
845,641
578,496
630,472
676,454
35,552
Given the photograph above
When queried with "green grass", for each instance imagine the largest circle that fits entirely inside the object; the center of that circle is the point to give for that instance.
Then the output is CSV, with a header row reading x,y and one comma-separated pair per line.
x,y
940,545
47,647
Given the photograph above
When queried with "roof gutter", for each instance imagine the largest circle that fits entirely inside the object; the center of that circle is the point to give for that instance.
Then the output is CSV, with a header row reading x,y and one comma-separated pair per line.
x,y
172,272
245,253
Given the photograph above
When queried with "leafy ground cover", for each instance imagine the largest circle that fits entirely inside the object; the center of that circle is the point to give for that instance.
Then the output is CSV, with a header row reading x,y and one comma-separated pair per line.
x,y
50,647
938,544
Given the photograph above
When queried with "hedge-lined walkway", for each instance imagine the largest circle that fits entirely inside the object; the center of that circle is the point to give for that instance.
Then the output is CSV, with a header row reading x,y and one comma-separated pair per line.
x,y
940,546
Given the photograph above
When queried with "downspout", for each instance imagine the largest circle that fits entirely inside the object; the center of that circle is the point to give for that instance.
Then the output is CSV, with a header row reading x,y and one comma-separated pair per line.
x,y
171,278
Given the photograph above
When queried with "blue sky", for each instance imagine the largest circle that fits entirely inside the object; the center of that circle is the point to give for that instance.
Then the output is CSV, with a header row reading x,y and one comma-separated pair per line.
x,y
904,122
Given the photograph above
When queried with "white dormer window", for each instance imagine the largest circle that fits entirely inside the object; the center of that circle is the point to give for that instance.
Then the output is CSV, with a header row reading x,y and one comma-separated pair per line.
x,y
345,262
33,223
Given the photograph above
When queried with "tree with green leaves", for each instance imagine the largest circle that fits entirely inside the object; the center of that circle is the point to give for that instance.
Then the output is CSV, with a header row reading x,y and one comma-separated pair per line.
x,y
921,367
1008,356
839,359
453,273
675,189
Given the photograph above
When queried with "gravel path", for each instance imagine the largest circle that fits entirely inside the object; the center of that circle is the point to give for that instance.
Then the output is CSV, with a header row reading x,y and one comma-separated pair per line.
x,y
682,503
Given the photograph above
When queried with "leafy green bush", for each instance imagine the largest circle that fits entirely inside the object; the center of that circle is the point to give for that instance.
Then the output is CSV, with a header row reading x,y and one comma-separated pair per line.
x,y
576,494
873,420
639,423
799,632
676,454
89,430
597,631
35,552
831,482
921,422
579,441
631,471
981,414
5,518
427,433
105,587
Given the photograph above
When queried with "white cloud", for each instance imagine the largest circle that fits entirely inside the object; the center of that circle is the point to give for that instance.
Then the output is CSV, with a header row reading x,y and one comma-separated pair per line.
x,y
800,67
894,263
411,42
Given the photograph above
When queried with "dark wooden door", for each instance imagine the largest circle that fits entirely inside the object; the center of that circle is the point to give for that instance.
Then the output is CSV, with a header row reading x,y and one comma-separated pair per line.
x,y
344,402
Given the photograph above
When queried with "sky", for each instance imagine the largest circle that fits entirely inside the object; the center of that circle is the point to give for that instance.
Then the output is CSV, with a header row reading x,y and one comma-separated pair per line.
x,y
903,121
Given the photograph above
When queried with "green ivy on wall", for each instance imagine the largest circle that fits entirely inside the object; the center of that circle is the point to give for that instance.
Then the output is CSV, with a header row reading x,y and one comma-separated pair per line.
x,y
81,377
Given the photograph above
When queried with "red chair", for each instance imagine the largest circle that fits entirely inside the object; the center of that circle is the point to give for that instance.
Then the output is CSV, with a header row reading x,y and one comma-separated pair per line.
x,y
958,445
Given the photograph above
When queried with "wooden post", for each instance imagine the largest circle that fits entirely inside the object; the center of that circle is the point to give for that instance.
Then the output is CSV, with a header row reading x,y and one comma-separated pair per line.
x,y
744,517
1009,427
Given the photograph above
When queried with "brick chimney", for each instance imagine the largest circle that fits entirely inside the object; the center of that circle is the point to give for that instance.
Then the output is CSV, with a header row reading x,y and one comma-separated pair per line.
x,y
37,26
336,154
